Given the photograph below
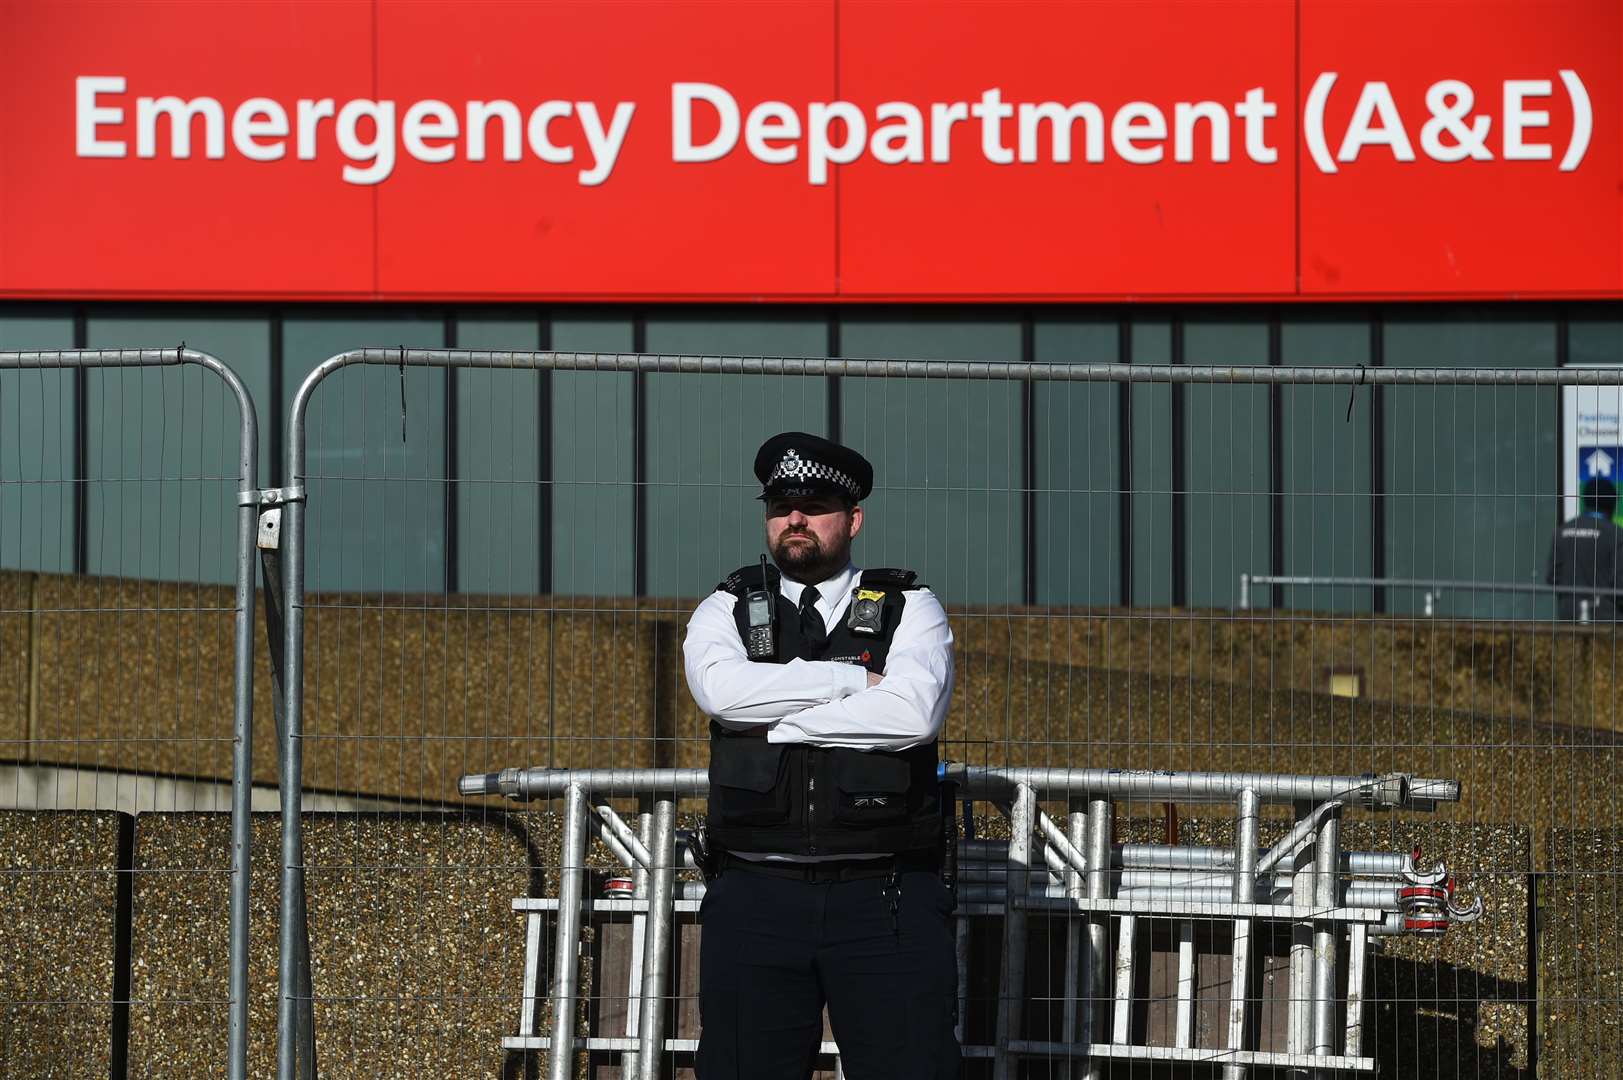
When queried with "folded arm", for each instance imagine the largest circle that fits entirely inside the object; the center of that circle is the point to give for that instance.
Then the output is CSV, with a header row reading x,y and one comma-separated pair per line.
x,y
742,694
905,708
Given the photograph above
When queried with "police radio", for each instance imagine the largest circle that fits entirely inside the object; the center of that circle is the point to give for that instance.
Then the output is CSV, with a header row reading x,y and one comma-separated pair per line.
x,y
760,644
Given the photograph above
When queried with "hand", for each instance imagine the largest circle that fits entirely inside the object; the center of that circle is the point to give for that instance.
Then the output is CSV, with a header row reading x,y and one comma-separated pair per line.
x,y
874,679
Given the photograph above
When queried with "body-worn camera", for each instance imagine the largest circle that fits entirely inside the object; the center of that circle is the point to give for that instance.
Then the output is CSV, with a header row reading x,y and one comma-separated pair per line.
x,y
867,612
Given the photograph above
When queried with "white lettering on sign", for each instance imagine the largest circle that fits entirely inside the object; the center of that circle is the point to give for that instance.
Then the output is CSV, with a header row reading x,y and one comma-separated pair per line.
x,y
708,124
1453,131
88,116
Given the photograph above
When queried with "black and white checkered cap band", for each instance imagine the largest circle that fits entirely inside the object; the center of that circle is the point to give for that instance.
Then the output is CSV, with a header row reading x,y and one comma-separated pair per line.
x,y
795,467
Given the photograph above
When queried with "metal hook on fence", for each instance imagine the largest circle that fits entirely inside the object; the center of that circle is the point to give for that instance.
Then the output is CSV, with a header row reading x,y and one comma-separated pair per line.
x,y
402,394
1353,394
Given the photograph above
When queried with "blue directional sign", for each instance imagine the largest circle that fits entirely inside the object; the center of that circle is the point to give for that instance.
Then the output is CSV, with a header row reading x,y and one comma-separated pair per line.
x,y
1602,461
1592,439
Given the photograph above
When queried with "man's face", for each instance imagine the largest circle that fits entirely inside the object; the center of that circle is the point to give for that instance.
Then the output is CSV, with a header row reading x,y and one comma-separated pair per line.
x,y
810,538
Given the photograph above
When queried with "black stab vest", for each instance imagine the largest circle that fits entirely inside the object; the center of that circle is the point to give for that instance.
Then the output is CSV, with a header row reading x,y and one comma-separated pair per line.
x,y
798,799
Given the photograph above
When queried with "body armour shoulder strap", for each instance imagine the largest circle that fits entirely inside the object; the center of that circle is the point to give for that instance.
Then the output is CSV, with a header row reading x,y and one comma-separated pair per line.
x,y
745,578
890,578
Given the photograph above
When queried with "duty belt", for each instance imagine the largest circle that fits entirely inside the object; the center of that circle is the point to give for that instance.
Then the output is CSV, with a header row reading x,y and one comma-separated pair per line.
x,y
832,870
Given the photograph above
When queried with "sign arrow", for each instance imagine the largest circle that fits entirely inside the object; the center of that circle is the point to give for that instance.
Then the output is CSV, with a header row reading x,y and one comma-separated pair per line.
x,y
1600,463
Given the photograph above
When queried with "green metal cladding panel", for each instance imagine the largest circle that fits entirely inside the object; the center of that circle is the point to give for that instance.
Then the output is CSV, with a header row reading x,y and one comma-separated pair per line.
x,y
1595,338
1327,504
162,446
1226,460
499,433
593,530
36,451
375,456
703,520
946,454
1469,473
1150,461
1472,491
1076,433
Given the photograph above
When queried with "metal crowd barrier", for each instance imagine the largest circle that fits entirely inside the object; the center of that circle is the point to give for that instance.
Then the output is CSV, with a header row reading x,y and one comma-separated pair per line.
x,y
1088,887
1434,589
1328,895
247,503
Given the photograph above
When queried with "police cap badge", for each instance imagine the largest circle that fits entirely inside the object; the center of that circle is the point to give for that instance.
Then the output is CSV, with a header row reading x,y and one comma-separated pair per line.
x,y
795,465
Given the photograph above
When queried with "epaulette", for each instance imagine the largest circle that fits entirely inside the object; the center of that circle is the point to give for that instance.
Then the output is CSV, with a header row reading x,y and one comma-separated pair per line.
x,y
890,578
746,578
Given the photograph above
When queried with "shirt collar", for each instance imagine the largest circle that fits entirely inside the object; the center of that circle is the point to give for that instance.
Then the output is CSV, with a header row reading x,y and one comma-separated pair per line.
x,y
830,591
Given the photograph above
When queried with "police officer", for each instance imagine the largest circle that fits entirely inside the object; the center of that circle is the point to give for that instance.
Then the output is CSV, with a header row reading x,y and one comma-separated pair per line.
x,y
1588,551
826,686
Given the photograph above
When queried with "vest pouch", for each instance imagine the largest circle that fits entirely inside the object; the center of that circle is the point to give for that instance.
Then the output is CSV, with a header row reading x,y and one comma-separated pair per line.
x,y
747,786
871,787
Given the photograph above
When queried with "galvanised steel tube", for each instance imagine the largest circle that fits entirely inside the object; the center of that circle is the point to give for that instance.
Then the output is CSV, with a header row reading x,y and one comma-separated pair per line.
x,y
1248,810
243,651
1429,583
656,969
629,1065
546,783
1012,981
1195,859
634,848
291,780
1069,856
1326,881
1075,931
1171,857
1389,790
1386,899
1304,894
1221,879
976,370
1383,899
1307,821
243,710
566,950
1101,824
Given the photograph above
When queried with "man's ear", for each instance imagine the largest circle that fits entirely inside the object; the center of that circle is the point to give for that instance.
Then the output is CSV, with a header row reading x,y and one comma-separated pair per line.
x,y
856,521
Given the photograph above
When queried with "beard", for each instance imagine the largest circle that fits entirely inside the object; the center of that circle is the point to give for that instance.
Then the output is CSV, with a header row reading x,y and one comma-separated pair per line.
x,y
808,562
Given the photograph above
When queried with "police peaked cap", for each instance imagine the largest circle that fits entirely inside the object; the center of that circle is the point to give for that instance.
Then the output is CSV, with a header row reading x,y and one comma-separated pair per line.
x,y
795,464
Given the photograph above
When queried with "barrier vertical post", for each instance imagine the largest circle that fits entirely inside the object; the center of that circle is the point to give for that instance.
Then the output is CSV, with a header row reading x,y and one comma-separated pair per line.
x,y
566,951
1327,874
657,943
1012,981
1101,823
1245,875
1299,1023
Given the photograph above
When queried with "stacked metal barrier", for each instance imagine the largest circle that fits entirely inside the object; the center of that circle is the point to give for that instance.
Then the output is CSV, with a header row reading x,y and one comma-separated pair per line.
x,y
1330,898
82,361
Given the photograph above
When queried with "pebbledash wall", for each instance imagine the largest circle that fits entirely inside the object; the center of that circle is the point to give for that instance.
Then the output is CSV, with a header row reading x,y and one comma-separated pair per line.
x,y
1056,494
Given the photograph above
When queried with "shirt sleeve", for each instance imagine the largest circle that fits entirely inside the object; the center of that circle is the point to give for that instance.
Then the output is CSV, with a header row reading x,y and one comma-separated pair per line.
x,y
908,706
741,693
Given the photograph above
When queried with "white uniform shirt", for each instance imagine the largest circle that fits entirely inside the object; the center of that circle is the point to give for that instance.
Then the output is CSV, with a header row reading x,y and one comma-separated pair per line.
x,y
825,702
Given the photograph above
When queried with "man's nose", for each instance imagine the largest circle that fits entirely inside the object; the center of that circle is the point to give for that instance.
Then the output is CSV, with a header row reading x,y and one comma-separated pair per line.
x,y
796,518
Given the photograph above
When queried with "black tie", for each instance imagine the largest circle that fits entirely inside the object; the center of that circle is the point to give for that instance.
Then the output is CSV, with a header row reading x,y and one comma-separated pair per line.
x,y
812,630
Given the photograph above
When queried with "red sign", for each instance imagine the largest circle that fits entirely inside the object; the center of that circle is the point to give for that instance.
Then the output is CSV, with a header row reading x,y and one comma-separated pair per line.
x,y
1139,149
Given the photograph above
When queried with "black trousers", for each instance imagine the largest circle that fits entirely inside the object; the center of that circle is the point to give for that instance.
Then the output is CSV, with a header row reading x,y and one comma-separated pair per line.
x,y
775,950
